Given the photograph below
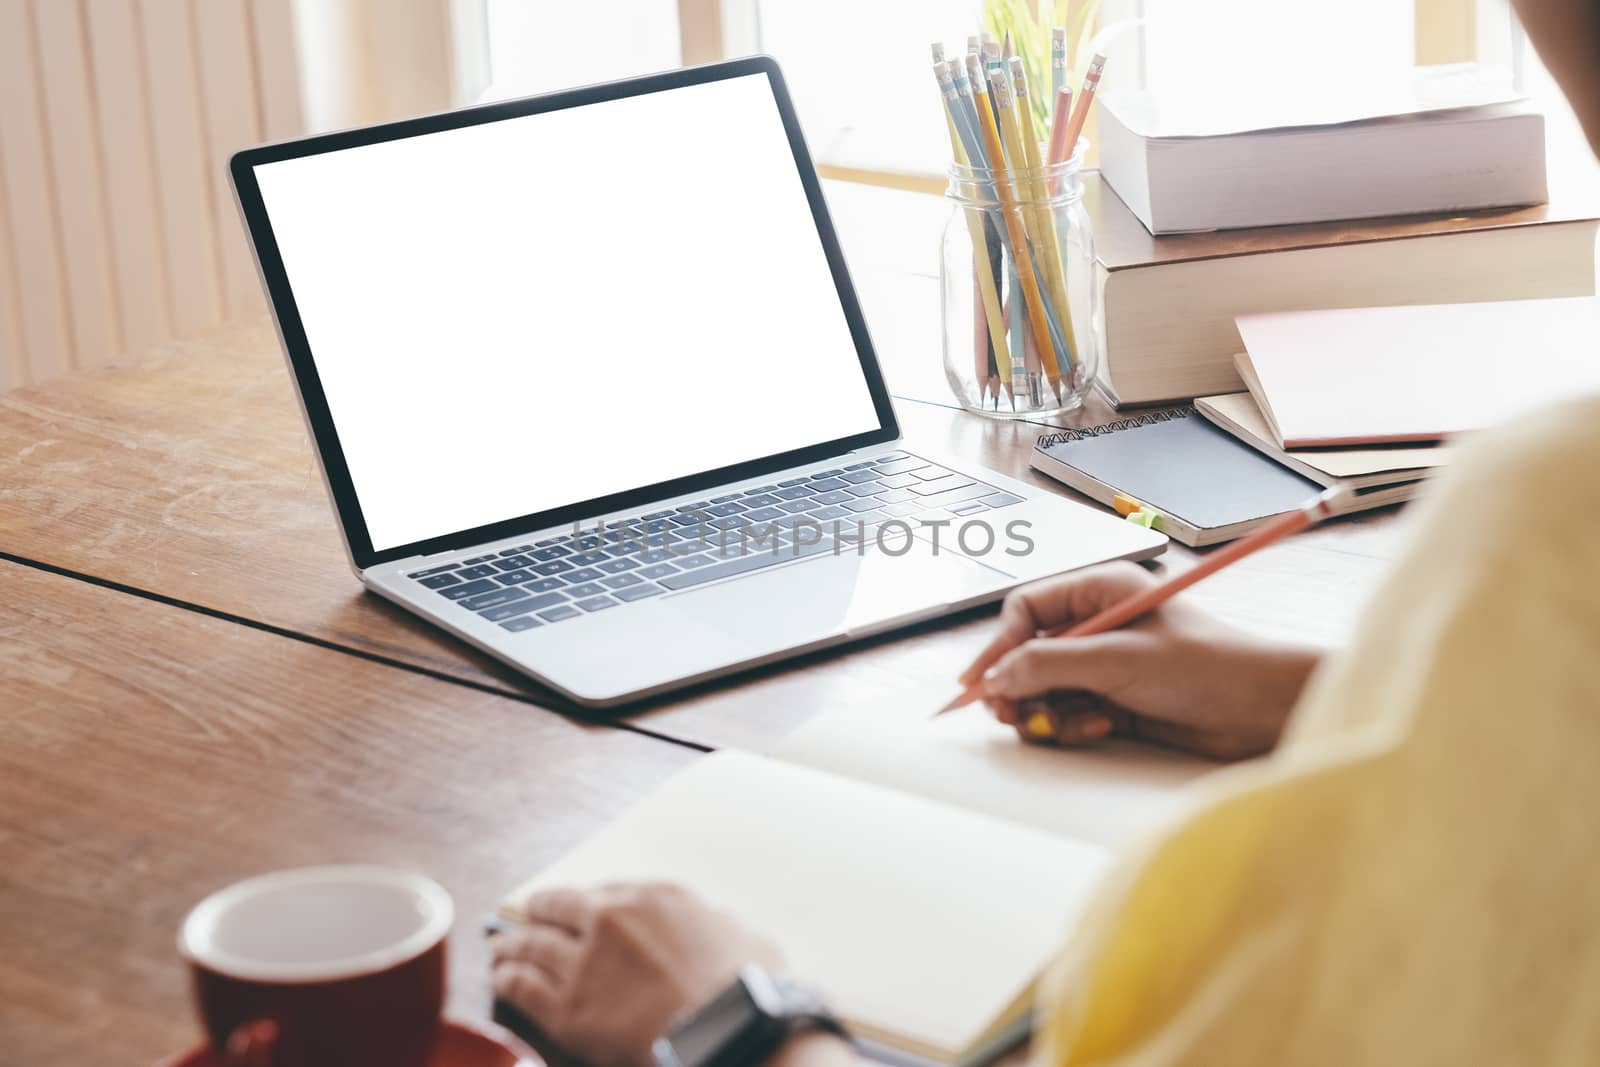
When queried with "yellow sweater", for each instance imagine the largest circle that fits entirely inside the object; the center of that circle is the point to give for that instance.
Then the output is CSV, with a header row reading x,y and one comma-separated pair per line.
x,y
1413,878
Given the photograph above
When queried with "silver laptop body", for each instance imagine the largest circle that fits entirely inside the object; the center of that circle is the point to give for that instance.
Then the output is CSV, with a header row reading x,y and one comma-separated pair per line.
x,y
591,389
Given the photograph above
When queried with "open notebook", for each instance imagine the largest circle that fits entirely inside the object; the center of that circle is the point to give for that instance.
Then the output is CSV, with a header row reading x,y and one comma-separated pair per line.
x,y
920,872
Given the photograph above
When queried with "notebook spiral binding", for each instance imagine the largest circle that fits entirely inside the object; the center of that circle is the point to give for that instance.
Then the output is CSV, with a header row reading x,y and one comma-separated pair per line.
x,y
1149,418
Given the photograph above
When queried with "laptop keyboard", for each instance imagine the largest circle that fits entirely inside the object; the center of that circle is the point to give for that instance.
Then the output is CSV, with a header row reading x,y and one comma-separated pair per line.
x,y
592,570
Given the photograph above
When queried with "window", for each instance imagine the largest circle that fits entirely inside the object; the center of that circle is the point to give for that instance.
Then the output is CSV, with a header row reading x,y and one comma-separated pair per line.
x,y
862,76
535,46
859,69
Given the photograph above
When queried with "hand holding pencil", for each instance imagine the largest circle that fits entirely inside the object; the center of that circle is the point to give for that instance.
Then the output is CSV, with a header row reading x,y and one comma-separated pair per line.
x,y
1110,651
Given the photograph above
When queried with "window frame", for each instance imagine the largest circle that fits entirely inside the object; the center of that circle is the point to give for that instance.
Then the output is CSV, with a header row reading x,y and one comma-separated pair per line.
x,y
713,30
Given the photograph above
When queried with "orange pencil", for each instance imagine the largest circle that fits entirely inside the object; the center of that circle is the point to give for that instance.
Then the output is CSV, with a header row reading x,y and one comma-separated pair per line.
x,y
1058,150
1080,110
1117,615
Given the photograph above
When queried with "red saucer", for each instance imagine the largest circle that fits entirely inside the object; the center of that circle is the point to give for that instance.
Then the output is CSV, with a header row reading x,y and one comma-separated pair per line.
x,y
460,1045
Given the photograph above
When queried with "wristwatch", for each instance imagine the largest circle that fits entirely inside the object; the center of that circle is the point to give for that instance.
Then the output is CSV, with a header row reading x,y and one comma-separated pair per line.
x,y
745,1023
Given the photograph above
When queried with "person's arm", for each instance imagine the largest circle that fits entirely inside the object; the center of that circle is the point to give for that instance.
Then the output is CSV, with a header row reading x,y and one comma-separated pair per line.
x,y
1178,676
815,1050
605,972
1567,36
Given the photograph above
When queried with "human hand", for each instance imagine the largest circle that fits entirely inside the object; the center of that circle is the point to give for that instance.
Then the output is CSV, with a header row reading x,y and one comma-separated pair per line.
x,y
1177,676
605,972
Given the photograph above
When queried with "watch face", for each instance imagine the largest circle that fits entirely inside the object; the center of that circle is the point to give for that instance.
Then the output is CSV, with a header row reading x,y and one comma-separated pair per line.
x,y
717,1026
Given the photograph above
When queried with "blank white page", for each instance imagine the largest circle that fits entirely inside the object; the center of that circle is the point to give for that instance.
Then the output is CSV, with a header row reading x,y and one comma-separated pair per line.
x,y
1110,794
922,923
539,311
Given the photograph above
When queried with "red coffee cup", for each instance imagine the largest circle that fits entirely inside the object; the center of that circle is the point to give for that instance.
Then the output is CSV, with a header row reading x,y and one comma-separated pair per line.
x,y
321,967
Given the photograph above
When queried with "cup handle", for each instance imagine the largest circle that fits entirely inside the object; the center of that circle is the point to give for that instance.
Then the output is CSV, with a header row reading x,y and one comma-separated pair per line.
x,y
253,1044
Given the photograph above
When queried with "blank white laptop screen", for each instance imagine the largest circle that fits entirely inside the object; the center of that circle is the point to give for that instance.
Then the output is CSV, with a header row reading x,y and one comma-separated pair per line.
x,y
534,312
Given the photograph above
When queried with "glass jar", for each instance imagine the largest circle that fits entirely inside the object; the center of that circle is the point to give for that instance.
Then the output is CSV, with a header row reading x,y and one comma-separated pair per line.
x,y
1023,333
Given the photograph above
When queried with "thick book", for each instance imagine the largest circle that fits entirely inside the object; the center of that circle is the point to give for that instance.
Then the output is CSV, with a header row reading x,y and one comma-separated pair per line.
x,y
1461,159
1386,375
1357,468
920,872
1205,485
1169,302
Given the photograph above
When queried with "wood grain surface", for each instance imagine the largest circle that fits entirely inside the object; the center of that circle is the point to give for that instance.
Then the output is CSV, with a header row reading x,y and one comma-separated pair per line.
x,y
152,755
194,686
192,478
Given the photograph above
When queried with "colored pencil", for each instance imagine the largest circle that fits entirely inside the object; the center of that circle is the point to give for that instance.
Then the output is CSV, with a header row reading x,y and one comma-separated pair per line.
x,y
1030,357
1047,248
1080,110
1010,195
1320,507
1059,150
996,236
1016,376
1031,266
993,131
991,63
986,284
1058,63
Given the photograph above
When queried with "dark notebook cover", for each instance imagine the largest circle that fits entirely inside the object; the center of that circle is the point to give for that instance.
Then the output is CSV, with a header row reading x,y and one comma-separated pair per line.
x,y
1190,469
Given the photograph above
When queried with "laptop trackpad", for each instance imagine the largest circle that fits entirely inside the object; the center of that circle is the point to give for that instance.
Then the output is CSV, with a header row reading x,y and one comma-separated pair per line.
x,y
817,598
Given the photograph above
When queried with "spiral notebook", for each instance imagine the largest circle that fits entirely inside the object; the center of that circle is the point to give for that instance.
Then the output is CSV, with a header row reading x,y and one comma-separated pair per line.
x,y
1205,484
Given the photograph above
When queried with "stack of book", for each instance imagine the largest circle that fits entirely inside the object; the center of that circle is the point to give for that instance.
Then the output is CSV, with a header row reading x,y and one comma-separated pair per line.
x,y
1446,139
1420,187
1169,303
1356,467
1372,400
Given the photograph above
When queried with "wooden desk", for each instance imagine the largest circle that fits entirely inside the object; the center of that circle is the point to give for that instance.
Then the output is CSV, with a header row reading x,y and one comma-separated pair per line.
x,y
192,481
152,755
194,687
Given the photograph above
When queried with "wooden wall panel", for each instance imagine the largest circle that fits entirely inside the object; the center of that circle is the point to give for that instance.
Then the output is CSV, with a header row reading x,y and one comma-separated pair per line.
x,y
138,253
26,162
118,231
277,69
700,31
410,51
13,367
183,187
79,180
228,94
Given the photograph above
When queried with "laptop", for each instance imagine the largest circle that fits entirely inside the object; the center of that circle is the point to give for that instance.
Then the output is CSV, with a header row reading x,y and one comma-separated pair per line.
x,y
592,391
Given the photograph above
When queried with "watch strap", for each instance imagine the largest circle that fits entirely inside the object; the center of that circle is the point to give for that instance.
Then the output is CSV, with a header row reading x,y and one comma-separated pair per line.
x,y
779,1008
